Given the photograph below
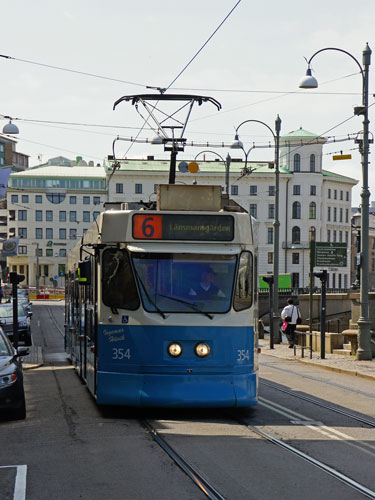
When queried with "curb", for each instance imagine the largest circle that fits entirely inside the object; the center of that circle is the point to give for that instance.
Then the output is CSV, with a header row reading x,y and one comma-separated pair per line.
x,y
327,367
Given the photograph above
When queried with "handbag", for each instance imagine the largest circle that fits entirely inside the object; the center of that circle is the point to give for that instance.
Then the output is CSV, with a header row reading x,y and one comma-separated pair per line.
x,y
288,319
299,319
284,326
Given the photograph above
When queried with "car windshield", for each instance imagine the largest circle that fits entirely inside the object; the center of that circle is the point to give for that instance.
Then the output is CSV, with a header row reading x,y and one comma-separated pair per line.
x,y
174,282
4,347
6,311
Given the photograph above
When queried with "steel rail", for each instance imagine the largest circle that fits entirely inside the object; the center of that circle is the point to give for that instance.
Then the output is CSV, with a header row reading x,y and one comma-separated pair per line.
x,y
317,379
52,317
194,475
370,423
326,468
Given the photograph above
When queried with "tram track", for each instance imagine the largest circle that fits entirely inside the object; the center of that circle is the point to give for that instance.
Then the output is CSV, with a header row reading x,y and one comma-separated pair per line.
x,y
314,401
187,468
55,322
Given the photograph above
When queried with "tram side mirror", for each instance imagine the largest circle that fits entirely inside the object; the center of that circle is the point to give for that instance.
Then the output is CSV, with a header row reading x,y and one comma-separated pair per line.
x,y
84,272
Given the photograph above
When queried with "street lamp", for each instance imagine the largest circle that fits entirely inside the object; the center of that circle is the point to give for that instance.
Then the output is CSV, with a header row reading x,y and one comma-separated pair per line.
x,y
237,144
226,164
309,82
10,128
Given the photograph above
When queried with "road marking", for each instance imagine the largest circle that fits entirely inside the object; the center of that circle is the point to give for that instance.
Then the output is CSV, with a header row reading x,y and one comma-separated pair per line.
x,y
321,429
20,482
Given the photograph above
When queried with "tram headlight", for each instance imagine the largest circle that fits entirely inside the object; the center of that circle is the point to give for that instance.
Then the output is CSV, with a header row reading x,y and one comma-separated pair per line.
x,y
174,350
202,350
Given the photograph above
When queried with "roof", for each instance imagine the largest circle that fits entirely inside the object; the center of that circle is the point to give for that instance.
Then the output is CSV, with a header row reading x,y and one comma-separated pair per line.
x,y
59,171
303,134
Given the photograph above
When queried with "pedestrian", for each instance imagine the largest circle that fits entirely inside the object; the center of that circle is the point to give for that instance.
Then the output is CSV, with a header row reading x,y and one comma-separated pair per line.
x,y
291,316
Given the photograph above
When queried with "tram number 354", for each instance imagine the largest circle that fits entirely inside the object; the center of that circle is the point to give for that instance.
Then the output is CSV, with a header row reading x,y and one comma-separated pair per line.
x,y
243,355
120,353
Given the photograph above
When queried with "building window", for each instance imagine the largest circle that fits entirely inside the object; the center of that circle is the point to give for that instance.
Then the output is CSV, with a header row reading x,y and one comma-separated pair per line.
x,y
312,190
55,198
39,252
62,216
295,280
86,216
39,233
341,195
335,194
296,210
253,190
38,198
49,252
22,232
335,214
72,234
253,210
14,198
340,236
95,215
25,198
312,233
38,215
270,235
329,213
22,214
73,216
62,252
346,237
312,210
271,211
312,163
73,200
49,233
329,193
346,215
271,191
341,214
86,200
297,190
49,215
328,235
334,236
96,200
296,235
22,250
295,258
297,162
155,188
234,190
119,188
347,196
270,258
62,234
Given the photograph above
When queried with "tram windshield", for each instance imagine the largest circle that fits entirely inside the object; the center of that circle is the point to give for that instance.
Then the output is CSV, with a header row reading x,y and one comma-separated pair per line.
x,y
174,282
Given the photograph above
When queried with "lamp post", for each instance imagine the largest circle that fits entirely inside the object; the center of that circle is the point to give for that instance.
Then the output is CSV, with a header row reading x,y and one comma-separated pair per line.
x,y
37,267
310,82
237,144
226,164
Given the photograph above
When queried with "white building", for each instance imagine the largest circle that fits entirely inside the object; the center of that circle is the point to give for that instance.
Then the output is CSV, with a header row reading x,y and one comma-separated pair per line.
x,y
50,206
311,199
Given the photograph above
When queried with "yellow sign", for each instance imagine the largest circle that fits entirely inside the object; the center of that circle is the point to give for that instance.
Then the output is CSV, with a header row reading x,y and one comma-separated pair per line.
x,y
193,167
342,157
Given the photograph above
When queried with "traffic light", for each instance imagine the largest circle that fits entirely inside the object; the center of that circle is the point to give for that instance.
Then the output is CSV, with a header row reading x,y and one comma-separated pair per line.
x,y
15,278
268,279
322,275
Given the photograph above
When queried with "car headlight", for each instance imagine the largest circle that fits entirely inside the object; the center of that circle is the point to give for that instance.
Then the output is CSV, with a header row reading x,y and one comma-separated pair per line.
x,y
6,380
202,350
22,323
175,350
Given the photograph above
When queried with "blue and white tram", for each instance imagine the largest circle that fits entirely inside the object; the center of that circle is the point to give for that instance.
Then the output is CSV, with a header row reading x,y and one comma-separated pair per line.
x,y
161,309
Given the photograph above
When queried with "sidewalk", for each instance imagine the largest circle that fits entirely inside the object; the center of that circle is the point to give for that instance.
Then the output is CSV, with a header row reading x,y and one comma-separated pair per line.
x,y
335,362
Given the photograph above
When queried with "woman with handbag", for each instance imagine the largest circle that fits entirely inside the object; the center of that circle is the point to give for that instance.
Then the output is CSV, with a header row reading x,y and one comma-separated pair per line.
x,y
291,317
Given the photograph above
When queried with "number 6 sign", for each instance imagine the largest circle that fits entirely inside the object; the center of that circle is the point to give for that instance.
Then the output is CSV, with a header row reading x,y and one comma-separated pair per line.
x,y
147,227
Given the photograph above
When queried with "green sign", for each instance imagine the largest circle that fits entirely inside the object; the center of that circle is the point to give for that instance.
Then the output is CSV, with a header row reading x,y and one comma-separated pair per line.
x,y
329,254
284,282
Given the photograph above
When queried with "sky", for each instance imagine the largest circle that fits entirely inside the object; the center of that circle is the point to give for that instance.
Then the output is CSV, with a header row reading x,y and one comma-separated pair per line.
x,y
252,65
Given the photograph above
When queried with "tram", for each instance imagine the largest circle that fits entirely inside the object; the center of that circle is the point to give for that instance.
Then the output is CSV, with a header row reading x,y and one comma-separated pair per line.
x,y
161,304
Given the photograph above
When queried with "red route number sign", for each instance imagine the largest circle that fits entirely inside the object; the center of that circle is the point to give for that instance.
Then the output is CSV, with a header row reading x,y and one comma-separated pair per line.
x,y
148,227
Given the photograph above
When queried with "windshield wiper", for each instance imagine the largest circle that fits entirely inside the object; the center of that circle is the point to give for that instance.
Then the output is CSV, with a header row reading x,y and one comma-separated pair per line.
x,y
191,304
148,295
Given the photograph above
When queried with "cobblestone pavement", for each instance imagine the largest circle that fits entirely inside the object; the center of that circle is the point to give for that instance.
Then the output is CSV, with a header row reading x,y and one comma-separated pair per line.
x,y
335,362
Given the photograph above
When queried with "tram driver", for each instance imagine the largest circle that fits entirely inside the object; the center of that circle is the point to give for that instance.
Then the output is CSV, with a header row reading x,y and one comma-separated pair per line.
x,y
206,287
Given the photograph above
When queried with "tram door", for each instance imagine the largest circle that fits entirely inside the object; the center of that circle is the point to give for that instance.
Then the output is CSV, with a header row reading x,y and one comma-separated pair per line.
x,y
90,330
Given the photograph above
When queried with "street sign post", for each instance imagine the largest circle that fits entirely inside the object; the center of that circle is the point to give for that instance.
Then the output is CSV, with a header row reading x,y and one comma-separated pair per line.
x,y
329,254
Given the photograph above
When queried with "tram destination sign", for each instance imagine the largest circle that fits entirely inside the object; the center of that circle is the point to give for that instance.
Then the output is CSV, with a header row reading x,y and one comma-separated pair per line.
x,y
183,227
329,254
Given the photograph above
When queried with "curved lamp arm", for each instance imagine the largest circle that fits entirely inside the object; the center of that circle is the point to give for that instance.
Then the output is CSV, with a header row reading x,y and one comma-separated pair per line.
x,y
256,121
339,50
208,151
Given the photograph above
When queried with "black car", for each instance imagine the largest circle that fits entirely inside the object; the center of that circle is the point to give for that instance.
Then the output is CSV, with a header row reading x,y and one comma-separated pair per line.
x,y
6,322
12,395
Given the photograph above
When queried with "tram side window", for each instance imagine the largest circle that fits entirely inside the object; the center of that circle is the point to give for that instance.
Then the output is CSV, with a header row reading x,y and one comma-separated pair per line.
x,y
244,290
118,284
